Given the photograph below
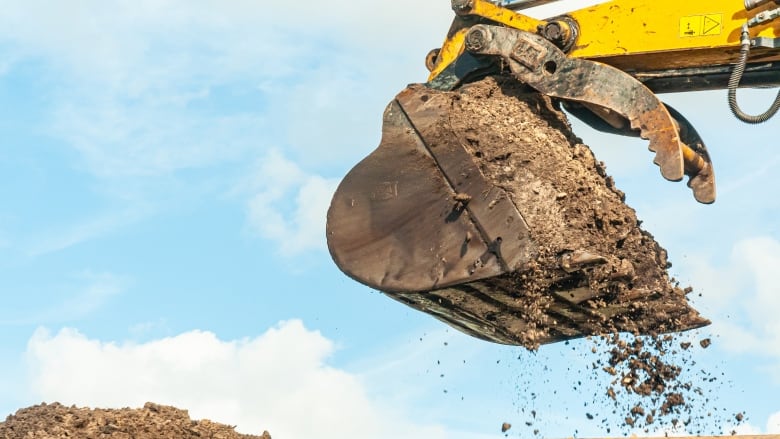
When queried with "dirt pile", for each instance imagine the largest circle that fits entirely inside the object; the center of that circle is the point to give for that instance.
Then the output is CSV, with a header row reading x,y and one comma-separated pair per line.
x,y
153,421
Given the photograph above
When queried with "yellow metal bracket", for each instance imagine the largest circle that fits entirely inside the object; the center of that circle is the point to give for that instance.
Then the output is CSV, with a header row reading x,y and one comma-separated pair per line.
x,y
471,12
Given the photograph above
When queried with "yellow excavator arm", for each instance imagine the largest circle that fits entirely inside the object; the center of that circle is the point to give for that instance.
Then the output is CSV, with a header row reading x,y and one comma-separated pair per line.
x,y
666,45
638,36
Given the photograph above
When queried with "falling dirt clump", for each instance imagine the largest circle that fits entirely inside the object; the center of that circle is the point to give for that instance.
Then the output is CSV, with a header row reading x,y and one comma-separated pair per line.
x,y
153,421
654,383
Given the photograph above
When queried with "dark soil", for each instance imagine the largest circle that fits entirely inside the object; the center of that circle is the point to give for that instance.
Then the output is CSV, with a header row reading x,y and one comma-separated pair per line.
x,y
55,421
591,269
595,271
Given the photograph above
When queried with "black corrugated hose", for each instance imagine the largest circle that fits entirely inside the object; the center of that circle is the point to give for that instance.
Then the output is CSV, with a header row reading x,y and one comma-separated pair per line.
x,y
736,76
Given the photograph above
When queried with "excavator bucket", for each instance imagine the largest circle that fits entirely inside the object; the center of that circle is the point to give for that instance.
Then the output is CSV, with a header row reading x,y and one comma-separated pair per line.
x,y
486,214
403,219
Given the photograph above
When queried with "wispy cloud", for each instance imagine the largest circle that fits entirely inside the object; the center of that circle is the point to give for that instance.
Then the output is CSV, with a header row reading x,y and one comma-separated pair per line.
x,y
129,80
101,287
149,139
94,291
151,90
744,295
57,240
773,425
287,205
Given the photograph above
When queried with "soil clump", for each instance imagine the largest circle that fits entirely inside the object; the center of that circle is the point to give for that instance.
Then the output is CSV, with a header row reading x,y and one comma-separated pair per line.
x,y
153,421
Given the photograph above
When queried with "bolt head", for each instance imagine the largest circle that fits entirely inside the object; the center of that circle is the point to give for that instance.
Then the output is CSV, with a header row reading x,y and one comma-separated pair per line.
x,y
462,6
477,39
553,31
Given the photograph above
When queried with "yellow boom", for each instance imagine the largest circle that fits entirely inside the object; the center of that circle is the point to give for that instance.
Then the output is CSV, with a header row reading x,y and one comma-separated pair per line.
x,y
640,35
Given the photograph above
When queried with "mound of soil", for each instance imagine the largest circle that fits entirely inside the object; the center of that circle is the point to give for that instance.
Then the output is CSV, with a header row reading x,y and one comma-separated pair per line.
x,y
153,421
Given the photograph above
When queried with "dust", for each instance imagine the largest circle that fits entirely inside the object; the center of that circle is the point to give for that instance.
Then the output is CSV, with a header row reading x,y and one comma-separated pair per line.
x,y
153,421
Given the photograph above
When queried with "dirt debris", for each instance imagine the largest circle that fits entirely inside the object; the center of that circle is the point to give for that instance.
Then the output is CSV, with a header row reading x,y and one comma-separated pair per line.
x,y
153,421
595,271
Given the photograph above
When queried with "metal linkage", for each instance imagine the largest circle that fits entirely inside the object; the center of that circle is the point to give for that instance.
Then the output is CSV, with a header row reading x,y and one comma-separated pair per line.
x,y
764,17
540,64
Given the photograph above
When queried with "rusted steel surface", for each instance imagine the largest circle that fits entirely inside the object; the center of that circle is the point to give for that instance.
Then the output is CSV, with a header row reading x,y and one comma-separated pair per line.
x,y
496,217
417,214
538,63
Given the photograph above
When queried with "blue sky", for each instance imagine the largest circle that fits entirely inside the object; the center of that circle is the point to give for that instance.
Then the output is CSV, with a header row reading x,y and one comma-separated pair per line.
x,y
166,167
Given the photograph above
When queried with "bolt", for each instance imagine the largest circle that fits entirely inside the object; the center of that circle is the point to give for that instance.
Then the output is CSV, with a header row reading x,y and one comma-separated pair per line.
x,y
477,39
552,31
462,198
431,59
557,32
462,6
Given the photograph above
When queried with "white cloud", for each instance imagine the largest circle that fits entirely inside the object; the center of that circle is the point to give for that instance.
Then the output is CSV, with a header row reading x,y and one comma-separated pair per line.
x,y
745,429
145,89
288,205
773,424
744,295
109,40
128,79
279,381
151,138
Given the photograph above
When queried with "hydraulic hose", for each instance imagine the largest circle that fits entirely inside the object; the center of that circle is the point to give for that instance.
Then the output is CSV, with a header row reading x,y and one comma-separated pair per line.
x,y
736,77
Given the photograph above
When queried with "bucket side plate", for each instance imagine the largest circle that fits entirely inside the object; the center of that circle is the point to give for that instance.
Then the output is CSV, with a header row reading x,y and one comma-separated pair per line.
x,y
417,214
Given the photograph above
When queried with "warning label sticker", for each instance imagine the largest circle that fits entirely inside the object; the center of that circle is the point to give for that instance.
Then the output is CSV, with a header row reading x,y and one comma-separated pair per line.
x,y
701,25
